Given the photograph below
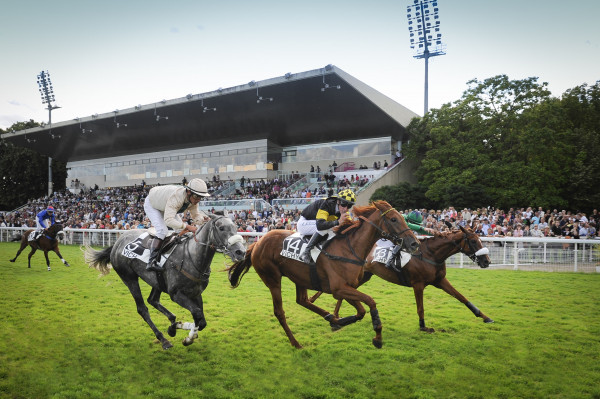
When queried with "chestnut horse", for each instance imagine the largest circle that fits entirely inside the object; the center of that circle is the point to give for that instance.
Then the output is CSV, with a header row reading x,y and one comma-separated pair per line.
x,y
429,268
47,242
339,268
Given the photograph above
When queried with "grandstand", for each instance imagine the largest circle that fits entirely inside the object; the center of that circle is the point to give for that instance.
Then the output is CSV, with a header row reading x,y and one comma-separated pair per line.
x,y
259,130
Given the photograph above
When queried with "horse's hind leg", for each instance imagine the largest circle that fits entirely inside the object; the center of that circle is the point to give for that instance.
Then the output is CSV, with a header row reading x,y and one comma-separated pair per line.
x,y
154,300
447,287
23,246
280,313
142,309
418,289
33,250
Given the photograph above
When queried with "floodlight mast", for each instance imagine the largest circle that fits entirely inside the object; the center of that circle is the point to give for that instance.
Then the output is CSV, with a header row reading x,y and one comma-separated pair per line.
x,y
424,14
47,93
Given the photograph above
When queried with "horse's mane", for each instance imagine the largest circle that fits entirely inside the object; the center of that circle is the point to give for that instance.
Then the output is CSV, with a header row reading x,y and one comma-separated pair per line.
x,y
358,211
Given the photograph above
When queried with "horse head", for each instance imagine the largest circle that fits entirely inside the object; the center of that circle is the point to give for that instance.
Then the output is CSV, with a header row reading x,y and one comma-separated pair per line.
x,y
226,238
395,229
471,245
54,230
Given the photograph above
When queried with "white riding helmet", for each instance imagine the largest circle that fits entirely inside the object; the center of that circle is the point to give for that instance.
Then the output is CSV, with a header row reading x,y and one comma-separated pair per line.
x,y
198,187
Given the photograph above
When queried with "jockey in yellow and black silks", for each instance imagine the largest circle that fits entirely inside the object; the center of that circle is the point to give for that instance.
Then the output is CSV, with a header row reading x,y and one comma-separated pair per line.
x,y
323,215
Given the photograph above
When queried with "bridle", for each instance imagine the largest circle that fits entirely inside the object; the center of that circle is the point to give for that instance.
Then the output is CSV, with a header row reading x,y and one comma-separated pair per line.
x,y
395,238
475,253
211,236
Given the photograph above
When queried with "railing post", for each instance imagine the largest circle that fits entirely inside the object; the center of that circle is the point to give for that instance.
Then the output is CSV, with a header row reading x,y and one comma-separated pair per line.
x,y
575,252
516,256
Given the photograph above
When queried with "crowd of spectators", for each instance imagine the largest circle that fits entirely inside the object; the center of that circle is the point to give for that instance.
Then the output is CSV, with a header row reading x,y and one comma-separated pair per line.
x,y
522,222
122,209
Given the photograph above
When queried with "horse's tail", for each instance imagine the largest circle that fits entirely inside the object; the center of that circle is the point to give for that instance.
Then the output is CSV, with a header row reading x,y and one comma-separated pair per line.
x,y
16,238
99,260
236,271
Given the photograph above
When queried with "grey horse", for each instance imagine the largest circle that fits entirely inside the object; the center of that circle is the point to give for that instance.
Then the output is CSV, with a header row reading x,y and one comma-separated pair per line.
x,y
185,276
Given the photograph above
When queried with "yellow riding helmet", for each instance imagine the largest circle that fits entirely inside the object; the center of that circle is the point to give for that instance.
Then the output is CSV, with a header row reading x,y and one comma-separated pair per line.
x,y
347,195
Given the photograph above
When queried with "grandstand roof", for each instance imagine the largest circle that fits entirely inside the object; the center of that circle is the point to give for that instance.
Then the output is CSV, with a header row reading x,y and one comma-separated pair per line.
x,y
306,108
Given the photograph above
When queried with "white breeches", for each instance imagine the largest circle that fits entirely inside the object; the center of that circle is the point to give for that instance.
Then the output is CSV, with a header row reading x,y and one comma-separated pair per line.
x,y
157,218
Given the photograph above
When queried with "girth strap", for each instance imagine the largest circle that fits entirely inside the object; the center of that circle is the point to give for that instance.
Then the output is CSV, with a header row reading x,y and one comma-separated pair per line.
x,y
315,281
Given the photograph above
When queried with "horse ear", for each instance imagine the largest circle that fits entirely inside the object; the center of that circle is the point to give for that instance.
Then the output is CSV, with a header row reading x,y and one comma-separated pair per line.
x,y
462,229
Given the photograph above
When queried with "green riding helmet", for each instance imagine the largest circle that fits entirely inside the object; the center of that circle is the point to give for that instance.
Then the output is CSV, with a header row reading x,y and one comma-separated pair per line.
x,y
415,217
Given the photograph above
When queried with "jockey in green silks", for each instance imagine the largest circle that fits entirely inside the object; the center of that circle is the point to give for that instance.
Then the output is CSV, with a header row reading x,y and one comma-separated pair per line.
x,y
414,221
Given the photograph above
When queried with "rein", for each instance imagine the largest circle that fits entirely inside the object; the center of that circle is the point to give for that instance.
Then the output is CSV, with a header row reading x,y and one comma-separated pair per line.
x,y
179,267
361,262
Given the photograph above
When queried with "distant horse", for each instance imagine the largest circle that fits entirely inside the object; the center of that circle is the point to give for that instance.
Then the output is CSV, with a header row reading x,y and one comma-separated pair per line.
x,y
186,270
338,268
47,242
429,268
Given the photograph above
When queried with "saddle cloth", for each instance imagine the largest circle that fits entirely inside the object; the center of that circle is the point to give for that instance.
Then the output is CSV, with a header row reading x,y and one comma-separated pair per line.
x,y
293,246
138,248
383,254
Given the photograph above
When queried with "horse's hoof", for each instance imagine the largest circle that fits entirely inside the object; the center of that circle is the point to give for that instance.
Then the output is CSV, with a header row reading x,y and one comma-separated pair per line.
x,y
187,341
488,320
377,343
335,327
172,330
12,260
49,269
67,265
428,330
167,344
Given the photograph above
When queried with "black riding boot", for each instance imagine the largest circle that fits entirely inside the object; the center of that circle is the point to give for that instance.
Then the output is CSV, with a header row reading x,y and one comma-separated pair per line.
x,y
391,262
314,240
153,262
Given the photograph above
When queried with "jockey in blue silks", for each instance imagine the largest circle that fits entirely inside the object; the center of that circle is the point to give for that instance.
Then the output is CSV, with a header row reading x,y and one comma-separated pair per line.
x,y
45,219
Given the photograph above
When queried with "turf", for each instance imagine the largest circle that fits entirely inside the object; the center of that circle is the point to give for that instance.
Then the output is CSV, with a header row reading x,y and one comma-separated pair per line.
x,y
69,334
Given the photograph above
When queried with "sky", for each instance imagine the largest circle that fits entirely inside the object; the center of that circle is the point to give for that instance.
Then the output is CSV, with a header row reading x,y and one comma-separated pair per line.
x,y
109,54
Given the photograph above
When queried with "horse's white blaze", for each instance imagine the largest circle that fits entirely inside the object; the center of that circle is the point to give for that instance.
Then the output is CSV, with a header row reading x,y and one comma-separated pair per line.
x,y
482,251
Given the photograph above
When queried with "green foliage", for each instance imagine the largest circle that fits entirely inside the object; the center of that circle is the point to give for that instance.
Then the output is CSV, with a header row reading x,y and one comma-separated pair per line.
x,y
508,143
403,196
25,172
71,334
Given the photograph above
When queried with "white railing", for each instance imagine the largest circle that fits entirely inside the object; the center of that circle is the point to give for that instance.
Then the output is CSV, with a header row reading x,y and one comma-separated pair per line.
x,y
543,254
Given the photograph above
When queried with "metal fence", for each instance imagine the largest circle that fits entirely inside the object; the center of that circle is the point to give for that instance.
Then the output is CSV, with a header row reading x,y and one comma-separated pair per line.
x,y
542,254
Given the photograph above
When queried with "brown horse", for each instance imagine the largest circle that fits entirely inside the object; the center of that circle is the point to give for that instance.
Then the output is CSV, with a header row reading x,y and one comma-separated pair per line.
x,y
339,268
47,242
429,268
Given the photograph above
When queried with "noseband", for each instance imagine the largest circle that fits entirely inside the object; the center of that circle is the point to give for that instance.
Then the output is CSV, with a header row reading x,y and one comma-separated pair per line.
x,y
474,252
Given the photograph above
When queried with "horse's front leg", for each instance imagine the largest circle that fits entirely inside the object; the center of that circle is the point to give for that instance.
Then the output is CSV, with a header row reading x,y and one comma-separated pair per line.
x,y
154,300
57,252
447,287
196,308
418,289
352,295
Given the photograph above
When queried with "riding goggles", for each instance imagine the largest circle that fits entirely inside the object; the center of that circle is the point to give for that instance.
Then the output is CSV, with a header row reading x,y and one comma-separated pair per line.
x,y
346,204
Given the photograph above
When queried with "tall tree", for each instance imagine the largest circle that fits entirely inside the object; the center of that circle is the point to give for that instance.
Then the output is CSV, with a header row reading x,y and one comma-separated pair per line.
x,y
505,141
24,173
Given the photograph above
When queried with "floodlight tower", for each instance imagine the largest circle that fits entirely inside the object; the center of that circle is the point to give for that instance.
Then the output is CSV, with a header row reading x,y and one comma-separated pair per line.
x,y
425,36
47,93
